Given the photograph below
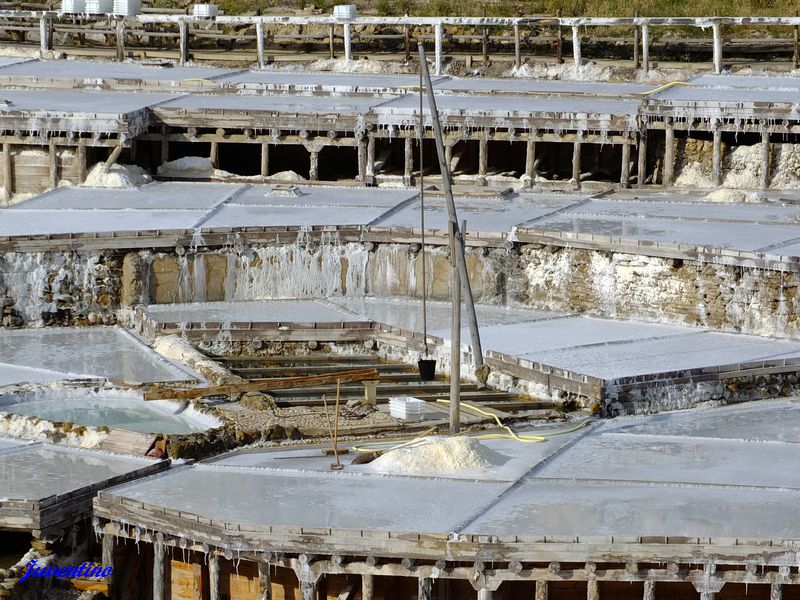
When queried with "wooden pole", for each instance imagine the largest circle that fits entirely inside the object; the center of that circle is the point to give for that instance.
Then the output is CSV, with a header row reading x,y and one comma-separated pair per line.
x,y
347,43
715,28
8,182
367,587
53,156
331,42
517,47
669,153
477,350
264,581
485,45
406,43
641,167
80,156
625,167
636,63
438,32
765,155
541,590
183,30
775,591
424,587
408,162
716,155
214,154
308,590
120,30
483,157
260,42
362,161
530,159
337,466
592,592
645,49
370,159
264,159
559,40
108,560
159,570
796,36
455,336
213,578
484,594
576,49
576,163
649,590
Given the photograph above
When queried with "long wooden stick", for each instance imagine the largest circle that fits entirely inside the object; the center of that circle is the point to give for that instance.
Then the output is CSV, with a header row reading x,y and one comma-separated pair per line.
x,y
277,383
338,465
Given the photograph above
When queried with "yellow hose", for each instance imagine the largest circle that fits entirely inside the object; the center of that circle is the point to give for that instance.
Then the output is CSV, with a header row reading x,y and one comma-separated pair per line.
x,y
537,438
663,87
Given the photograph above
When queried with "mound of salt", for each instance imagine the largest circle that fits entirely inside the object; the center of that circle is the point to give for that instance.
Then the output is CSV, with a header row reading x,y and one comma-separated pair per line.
x,y
188,166
118,176
438,456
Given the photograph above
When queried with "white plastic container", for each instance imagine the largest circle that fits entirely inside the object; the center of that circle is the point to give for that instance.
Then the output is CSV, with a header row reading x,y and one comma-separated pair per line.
x,y
345,12
205,10
99,7
407,408
127,8
73,6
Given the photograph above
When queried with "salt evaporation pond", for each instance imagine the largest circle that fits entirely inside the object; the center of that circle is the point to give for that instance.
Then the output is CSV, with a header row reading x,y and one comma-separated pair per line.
x,y
116,410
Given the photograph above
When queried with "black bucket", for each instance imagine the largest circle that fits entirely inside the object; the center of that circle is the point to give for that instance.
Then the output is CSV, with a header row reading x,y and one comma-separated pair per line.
x,y
427,369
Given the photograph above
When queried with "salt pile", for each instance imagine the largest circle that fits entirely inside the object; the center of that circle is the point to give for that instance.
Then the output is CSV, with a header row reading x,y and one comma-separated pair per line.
x,y
438,456
340,65
118,176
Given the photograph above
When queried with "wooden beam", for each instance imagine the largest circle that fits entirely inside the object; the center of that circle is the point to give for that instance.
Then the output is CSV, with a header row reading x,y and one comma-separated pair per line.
x,y
576,163
362,161
80,156
120,31
213,578
108,559
370,159
641,169
214,155
264,581
183,28
625,167
408,160
483,156
157,392
112,158
716,156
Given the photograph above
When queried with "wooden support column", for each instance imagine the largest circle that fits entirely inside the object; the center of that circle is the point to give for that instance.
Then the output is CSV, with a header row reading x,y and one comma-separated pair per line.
x,y
592,593
367,587
483,157
264,581
313,168
559,40
765,155
347,43
108,560
264,159
716,156
517,47
183,30
53,161
649,590
448,155
80,156
362,161
775,592
424,587
213,578
530,159
576,162
120,30
159,571
8,181
445,589
485,594
715,28
485,45
308,590
331,42
541,590
45,34
407,43
370,159
260,42
641,168
438,34
645,49
164,149
625,168
214,155
669,153
408,162
576,49
796,39
636,63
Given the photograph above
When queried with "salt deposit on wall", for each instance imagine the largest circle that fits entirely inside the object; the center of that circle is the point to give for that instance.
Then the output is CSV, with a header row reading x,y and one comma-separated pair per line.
x,y
341,65
175,348
741,169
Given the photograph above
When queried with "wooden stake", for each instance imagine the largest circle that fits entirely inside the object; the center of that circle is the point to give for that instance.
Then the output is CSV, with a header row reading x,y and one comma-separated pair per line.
x,y
337,466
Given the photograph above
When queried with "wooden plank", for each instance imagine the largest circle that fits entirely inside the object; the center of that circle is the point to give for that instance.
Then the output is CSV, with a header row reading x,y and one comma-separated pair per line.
x,y
186,581
128,442
283,383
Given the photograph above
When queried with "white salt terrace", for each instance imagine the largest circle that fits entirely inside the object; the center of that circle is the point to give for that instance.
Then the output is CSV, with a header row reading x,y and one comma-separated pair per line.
x,y
611,350
615,479
669,219
79,352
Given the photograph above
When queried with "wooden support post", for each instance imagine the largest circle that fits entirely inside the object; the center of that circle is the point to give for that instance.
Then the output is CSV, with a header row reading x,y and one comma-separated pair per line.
x,y
53,160
214,155
347,44
765,155
775,592
308,590
108,560
576,163
641,167
669,153
448,155
313,168
715,28
183,30
331,42
264,159
164,149
370,159
455,335
645,49
483,157
438,33
530,160
636,63
716,156
485,45
485,594
159,571
45,34
796,39
408,162
424,588
264,581
260,42
559,40
541,590
649,590
625,168
576,49
213,578
80,156
120,30
445,589
406,43
517,47
362,161
8,181
592,592
371,392
707,595
367,587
